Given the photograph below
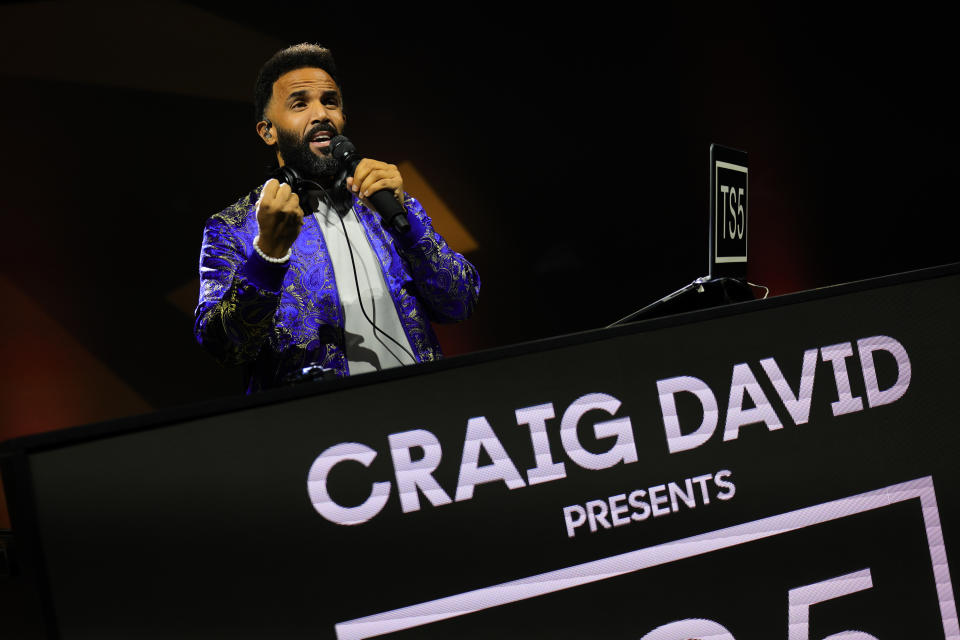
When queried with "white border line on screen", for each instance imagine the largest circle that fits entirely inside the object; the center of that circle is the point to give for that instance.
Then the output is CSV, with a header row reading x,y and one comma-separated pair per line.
x,y
717,259
593,571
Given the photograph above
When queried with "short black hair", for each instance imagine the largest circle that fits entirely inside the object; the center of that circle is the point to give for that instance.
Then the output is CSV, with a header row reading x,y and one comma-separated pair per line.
x,y
295,57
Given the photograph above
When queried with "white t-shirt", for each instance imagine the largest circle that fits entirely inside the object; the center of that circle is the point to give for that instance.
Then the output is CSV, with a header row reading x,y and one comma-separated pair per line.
x,y
367,349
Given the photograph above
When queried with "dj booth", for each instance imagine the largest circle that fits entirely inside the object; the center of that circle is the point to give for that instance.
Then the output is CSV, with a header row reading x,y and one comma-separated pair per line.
x,y
782,468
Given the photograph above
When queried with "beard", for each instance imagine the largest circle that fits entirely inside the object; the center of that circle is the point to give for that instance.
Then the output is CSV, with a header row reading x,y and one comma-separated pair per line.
x,y
297,153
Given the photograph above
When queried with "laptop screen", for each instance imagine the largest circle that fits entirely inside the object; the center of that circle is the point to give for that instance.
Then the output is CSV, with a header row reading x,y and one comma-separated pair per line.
x,y
728,212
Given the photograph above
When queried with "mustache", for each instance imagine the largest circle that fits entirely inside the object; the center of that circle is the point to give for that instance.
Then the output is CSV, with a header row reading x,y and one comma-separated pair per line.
x,y
323,126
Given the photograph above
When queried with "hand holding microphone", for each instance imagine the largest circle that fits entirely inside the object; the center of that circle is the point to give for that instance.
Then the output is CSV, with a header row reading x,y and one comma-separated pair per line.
x,y
376,181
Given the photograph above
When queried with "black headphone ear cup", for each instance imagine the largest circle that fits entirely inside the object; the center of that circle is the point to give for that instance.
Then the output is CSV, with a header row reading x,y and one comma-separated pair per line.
x,y
289,175
309,199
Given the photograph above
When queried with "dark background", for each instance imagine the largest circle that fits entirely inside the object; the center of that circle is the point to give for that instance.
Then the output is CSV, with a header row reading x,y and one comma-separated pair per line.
x,y
571,144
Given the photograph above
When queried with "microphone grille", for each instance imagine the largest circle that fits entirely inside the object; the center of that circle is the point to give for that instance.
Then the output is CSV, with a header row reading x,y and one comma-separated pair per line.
x,y
341,147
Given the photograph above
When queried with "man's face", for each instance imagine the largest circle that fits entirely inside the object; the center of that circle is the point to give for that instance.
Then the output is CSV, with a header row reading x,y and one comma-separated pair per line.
x,y
306,110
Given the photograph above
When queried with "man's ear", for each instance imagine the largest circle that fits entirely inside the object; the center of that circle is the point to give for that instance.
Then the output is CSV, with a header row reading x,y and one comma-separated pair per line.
x,y
266,132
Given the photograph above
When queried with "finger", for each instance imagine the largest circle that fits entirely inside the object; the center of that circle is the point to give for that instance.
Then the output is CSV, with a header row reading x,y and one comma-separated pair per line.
x,y
282,193
376,183
386,174
270,187
269,191
379,185
389,174
292,205
362,171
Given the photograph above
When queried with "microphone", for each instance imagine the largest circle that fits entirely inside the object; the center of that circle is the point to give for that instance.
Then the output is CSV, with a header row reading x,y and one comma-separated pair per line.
x,y
383,201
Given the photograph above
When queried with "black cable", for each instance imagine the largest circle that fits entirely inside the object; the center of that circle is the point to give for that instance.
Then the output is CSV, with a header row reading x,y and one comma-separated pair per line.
x,y
696,284
356,279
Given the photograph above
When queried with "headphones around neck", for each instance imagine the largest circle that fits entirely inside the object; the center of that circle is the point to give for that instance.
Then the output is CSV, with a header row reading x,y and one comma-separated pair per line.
x,y
306,190
309,192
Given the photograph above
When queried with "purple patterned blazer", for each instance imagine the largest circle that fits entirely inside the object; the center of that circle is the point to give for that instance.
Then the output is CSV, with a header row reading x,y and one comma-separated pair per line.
x,y
278,318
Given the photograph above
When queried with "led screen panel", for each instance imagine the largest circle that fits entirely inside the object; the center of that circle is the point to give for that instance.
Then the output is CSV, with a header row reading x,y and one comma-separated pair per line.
x,y
778,470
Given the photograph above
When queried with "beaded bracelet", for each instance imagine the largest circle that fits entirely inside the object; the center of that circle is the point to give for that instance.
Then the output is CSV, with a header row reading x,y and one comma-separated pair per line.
x,y
256,248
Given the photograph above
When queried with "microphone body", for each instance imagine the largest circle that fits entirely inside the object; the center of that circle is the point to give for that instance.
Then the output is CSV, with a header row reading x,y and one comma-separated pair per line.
x,y
393,213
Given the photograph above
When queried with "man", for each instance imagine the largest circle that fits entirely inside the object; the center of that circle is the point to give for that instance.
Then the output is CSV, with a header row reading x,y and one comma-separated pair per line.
x,y
282,289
